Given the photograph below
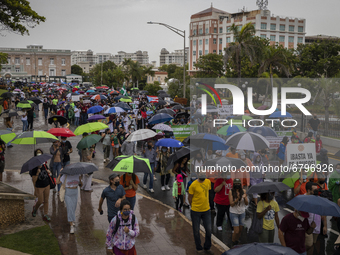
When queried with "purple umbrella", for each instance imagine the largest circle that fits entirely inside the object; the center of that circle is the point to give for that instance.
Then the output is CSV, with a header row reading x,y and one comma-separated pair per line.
x,y
96,117
262,107
61,103
35,90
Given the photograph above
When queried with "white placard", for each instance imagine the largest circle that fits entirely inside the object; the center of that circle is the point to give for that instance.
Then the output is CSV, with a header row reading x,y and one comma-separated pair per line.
x,y
274,142
225,109
300,155
75,98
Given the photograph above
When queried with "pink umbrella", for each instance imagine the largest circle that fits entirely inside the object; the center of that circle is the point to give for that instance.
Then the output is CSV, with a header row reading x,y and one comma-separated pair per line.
x,y
262,107
17,90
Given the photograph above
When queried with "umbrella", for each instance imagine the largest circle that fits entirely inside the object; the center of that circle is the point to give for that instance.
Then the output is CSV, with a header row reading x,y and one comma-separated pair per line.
x,y
247,141
60,103
130,164
114,110
98,97
167,111
160,102
164,95
114,92
95,109
123,105
34,90
178,107
7,135
135,89
126,100
96,117
35,162
163,127
279,115
266,187
25,104
161,92
264,131
34,137
11,113
141,134
160,118
168,142
181,153
231,129
225,164
88,141
64,132
260,249
315,204
57,118
7,95
18,90
90,90
35,100
79,168
90,127
206,141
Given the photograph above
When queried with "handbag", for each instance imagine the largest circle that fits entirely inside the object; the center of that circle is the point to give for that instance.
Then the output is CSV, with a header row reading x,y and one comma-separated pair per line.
x,y
51,181
62,191
257,224
158,169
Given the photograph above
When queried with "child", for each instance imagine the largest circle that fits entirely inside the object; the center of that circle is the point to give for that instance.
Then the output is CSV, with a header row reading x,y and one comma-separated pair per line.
x,y
178,191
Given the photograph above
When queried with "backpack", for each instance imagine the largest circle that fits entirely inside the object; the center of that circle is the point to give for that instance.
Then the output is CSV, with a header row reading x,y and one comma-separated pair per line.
x,y
71,113
118,224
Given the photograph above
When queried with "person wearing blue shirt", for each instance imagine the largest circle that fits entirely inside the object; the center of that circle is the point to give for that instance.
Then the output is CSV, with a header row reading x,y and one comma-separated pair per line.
x,y
282,149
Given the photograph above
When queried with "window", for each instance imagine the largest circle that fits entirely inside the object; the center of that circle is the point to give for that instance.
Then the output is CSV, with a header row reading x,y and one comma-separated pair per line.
x,y
17,61
51,61
214,41
201,31
214,51
300,29
206,52
206,41
239,27
228,29
8,69
291,28
8,61
215,30
52,72
193,43
263,36
200,53
221,30
220,52
28,61
220,41
193,63
291,39
63,62
282,28
193,53
282,38
300,40
272,38
200,42
263,25
63,72
17,69
159,79
39,72
207,30
3,69
40,61
228,40
272,26
194,32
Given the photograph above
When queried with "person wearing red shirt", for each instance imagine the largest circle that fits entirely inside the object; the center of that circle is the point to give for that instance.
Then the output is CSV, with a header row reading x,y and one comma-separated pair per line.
x,y
318,144
222,188
61,112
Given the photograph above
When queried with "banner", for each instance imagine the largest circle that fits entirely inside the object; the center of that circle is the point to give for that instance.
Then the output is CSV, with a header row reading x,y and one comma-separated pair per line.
x,y
284,133
274,142
75,98
301,155
183,131
225,109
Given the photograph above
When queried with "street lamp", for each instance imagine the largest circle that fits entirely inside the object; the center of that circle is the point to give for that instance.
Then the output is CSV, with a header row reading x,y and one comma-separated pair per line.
x,y
180,33
302,120
244,88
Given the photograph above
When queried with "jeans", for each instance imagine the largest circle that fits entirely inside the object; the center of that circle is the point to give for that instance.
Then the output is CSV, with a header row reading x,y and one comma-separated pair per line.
x,y
145,178
46,113
211,197
221,211
24,125
66,163
196,221
76,121
167,179
132,201
107,150
179,201
237,219
314,132
56,171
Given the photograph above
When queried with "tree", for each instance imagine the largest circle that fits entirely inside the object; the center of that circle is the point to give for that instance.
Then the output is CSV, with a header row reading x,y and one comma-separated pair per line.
x,y
3,58
75,69
210,66
17,16
153,88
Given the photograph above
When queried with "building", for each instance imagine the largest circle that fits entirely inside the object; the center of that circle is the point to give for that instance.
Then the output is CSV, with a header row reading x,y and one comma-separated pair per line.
x,y
319,38
160,76
83,56
103,57
139,56
210,30
176,57
34,63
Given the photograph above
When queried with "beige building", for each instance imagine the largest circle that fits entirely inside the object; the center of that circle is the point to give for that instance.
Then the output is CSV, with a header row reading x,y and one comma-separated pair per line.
x,y
159,76
34,63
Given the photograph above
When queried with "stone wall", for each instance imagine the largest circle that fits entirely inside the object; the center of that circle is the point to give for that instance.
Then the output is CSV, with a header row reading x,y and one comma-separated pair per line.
x,y
12,211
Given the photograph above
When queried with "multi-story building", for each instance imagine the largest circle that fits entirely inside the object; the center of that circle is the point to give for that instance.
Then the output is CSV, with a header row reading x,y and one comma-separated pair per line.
x,y
320,38
83,56
210,30
176,57
159,76
102,57
34,63
139,56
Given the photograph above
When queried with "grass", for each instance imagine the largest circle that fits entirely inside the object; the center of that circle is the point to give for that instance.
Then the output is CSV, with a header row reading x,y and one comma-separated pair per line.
x,y
37,241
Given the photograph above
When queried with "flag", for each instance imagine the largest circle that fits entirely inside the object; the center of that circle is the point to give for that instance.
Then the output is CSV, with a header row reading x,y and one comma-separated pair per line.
x,y
123,91
152,99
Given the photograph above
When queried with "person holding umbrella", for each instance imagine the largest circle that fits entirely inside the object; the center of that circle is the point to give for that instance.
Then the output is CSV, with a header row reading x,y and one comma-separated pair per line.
x,y
150,153
163,157
30,118
56,162
281,151
222,187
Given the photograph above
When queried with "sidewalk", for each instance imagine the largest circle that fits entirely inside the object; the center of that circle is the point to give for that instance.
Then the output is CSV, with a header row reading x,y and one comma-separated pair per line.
x,y
162,229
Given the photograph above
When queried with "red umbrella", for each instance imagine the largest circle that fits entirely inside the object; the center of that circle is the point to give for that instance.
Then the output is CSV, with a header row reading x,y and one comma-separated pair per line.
x,y
61,89
61,132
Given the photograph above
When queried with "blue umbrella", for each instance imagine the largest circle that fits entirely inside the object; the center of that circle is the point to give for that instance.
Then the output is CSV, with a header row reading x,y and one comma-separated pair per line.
x,y
168,142
204,140
149,112
264,131
160,118
315,204
279,115
260,249
96,117
95,109
89,91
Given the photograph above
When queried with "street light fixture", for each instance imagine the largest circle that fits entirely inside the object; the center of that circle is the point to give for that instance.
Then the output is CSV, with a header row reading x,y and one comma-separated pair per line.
x,y
180,33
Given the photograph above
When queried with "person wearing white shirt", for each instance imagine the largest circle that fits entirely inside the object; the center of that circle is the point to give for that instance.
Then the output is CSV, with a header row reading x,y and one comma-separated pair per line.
x,y
76,116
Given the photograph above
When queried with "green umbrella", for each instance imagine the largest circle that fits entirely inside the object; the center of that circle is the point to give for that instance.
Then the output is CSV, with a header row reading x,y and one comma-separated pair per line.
x,y
292,177
25,104
130,164
88,141
126,100
135,89
233,129
90,127
34,137
7,135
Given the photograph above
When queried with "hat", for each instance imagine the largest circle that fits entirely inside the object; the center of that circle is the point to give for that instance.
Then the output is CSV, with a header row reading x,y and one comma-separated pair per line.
x,y
179,178
237,181
112,176
304,214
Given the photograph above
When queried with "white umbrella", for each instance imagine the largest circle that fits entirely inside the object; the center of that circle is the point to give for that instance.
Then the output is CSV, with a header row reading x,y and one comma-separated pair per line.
x,y
141,134
114,110
247,141
162,126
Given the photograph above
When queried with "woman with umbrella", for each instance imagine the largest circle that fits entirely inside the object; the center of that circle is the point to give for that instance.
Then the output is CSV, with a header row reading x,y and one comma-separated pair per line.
x,y
40,177
163,157
57,152
86,156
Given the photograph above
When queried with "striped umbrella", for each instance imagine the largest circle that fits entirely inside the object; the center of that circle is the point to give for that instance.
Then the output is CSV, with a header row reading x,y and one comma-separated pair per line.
x,y
34,137
247,141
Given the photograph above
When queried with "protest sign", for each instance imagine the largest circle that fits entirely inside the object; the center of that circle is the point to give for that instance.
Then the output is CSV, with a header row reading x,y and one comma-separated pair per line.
x,y
225,109
183,131
301,155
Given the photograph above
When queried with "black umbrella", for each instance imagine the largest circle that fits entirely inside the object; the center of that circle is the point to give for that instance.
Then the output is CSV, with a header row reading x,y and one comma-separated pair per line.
x,y
227,165
160,102
123,105
174,103
181,153
35,100
265,187
79,168
115,93
35,162
11,113
178,107
168,111
143,92
164,95
57,118
161,92
260,249
7,94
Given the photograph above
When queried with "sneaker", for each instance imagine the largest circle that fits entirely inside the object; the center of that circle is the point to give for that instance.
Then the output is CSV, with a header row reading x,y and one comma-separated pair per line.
x,y
144,186
209,252
219,228
163,188
167,187
154,178
46,218
151,190
72,230
180,210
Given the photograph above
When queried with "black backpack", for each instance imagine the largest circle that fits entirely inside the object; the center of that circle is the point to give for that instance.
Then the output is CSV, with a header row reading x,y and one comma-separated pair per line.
x,y
118,224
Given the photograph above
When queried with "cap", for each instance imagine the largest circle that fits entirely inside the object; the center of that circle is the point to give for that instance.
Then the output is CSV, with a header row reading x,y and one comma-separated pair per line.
x,y
237,181
304,214
179,178
112,176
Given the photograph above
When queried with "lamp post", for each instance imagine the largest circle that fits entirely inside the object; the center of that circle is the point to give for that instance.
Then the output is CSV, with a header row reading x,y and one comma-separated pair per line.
x,y
180,33
302,120
244,88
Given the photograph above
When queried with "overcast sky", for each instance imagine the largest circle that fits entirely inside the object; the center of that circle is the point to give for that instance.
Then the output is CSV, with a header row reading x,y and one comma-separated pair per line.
x,y
109,26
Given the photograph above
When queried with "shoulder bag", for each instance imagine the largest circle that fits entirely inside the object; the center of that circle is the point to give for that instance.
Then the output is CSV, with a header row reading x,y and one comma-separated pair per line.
x,y
257,224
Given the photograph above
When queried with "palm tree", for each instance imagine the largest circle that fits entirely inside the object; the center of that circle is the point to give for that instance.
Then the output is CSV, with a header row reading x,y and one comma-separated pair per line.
x,y
135,72
244,45
119,75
